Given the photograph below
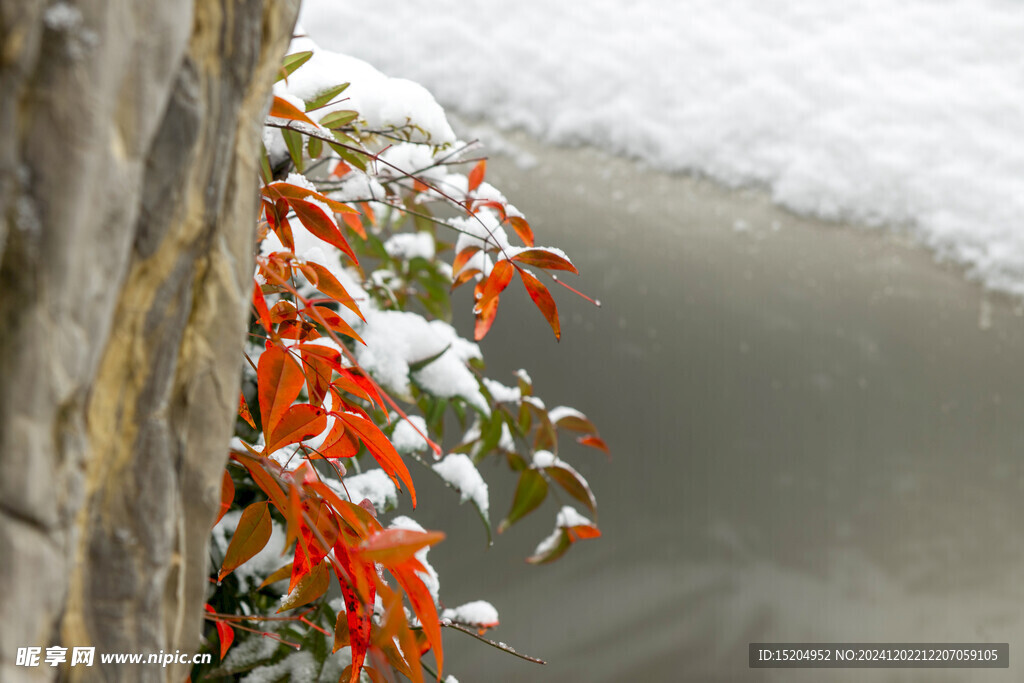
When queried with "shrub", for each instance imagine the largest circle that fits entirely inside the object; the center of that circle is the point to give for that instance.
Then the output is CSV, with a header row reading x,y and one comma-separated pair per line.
x,y
372,214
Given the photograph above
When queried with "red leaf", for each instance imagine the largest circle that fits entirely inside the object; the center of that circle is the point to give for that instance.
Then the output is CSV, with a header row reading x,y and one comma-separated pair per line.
x,y
243,411
250,537
355,223
266,482
299,422
542,258
280,380
393,546
463,257
288,191
227,495
485,318
464,277
329,285
523,229
325,316
542,298
496,282
381,450
321,225
476,176
225,633
423,606
582,532
593,442
283,109
260,304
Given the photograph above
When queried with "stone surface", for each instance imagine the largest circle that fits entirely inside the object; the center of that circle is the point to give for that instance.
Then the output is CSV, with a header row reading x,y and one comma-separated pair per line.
x,y
127,206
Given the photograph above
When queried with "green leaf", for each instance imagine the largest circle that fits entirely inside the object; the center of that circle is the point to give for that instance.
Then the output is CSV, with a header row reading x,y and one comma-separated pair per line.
x,y
292,62
530,493
420,364
350,157
339,119
293,140
315,146
325,97
250,537
574,484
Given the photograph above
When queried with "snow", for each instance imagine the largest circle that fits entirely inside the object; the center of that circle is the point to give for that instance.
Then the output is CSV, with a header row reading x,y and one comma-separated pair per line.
x,y
501,393
458,470
429,577
406,439
397,339
410,245
561,412
382,102
569,517
374,485
297,666
476,613
544,459
906,115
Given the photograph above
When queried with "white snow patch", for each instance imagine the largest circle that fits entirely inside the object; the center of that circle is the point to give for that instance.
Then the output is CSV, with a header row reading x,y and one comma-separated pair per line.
x,y
476,613
897,114
410,245
374,485
406,439
458,470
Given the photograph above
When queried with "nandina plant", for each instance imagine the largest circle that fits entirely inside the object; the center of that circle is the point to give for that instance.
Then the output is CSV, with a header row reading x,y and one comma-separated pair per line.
x,y
352,375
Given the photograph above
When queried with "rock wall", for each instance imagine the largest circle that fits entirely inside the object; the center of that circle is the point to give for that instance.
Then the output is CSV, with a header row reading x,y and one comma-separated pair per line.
x,y
127,207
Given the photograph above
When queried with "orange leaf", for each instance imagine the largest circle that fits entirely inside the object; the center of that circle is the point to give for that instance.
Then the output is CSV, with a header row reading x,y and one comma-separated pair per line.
x,y
243,411
325,316
463,257
593,442
496,282
266,482
321,225
299,422
542,298
250,537
523,229
311,587
280,380
582,532
260,304
329,285
288,191
485,318
227,495
393,546
476,176
283,109
464,277
542,258
381,450
225,633
355,223
423,606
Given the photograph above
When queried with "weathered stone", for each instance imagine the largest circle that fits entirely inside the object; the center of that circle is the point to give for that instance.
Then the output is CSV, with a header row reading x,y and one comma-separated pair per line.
x,y
127,205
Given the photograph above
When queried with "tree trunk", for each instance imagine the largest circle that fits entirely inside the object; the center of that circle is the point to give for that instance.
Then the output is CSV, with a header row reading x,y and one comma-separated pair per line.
x,y
130,137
